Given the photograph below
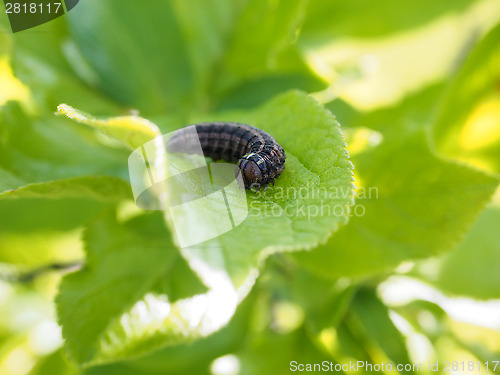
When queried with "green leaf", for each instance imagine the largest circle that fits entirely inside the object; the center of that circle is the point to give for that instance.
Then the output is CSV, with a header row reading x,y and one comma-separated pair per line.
x,y
42,149
101,188
45,191
198,55
414,112
206,25
369,318
42,215
345,345
316,160
327,20
326,313
281,354
476,260
95,298
416,308
273,25
39,221
35,232
366,334
258,90
9,181
132,131
468,123
422,206
288,281
47,61
309,200
55,363
265,62
177,360
4,23
136,57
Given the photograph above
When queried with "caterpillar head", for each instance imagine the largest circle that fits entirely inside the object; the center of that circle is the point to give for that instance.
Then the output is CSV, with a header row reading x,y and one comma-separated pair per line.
x,y
251,173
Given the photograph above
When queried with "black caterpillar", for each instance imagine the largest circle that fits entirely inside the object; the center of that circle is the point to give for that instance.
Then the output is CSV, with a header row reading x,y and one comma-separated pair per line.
x,y
258,156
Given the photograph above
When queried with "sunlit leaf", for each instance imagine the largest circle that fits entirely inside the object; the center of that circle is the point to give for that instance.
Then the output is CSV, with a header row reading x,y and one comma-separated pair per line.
x,y
132,131
468,123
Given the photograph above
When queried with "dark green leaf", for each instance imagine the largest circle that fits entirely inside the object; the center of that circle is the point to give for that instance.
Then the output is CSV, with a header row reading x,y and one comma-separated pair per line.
x,y
137,54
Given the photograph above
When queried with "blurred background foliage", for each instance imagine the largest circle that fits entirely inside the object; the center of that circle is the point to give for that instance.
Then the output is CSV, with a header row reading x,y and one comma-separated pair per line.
x,y
416,87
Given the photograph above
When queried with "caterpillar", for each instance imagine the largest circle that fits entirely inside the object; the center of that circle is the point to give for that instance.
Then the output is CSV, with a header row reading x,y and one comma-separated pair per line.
x,y
256,153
